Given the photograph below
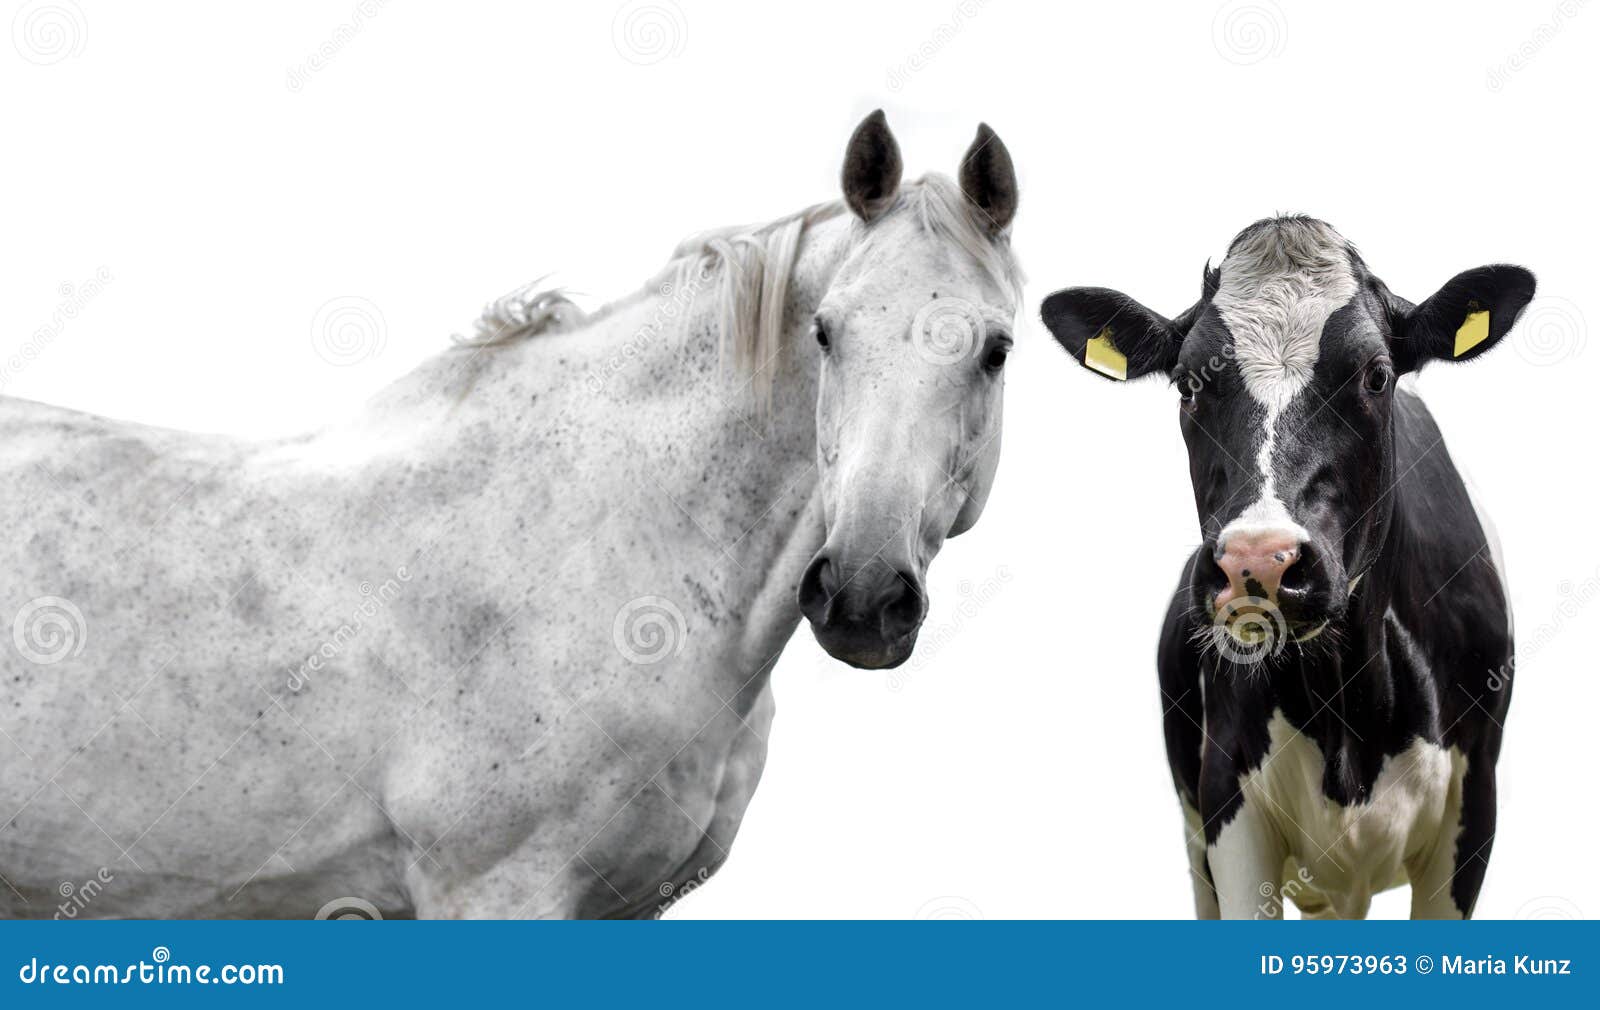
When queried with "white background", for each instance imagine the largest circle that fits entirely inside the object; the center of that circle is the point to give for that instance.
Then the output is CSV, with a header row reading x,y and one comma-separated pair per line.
x,y
445,153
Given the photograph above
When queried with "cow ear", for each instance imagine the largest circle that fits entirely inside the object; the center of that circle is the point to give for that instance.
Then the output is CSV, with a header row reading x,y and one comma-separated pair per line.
x,y
1111,334
1464,318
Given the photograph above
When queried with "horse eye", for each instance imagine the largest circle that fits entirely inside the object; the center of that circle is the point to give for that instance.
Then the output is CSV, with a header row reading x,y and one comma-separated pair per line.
x,y
1378,378
996,358
822,335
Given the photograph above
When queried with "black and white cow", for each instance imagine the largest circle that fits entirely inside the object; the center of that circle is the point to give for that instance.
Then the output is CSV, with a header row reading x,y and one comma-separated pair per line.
x,y
1335,665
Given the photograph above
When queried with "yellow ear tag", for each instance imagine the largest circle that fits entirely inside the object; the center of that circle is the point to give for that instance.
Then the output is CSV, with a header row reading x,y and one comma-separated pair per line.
x,y
1102,356
1473,332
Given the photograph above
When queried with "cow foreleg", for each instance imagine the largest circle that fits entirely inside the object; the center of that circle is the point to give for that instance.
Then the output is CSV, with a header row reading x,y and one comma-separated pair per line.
x,y
1246,862
1205,891
1446,885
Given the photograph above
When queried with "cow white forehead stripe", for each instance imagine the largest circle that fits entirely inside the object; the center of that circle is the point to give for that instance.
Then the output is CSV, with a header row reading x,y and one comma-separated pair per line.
x,y
1279,285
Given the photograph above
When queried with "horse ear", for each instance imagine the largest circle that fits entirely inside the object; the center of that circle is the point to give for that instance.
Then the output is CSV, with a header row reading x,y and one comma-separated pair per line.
x,y
988,178
871,177
1463,319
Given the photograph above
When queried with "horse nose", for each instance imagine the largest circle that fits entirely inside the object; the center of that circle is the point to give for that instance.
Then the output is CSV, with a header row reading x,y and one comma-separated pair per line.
x,y
875,605
1255,562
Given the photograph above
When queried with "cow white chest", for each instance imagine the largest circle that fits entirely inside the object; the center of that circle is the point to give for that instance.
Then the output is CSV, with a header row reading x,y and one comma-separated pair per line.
x,y
1339,856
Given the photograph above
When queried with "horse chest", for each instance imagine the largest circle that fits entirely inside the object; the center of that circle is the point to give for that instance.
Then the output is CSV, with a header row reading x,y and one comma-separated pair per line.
x,y
1351,850
669,822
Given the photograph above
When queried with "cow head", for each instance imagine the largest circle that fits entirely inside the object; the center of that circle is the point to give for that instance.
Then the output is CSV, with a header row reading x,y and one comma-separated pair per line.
x,y
1285,372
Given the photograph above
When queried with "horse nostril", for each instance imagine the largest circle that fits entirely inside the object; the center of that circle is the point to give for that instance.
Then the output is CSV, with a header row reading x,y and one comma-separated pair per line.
x,y
903,607
818,586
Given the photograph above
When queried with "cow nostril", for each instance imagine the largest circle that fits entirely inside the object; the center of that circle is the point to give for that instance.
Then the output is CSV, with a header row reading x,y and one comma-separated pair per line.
x,y
1297,573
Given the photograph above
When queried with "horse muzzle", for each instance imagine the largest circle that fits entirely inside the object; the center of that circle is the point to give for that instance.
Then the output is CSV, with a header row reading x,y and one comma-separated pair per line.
x,y
866,615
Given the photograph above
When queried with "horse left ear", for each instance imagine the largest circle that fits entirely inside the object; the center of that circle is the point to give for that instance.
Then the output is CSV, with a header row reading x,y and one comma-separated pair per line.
x,y
988,178
872,166
1463,319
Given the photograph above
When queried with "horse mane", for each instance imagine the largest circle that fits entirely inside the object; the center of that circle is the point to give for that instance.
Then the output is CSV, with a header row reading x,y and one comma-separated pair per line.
x,y
751,266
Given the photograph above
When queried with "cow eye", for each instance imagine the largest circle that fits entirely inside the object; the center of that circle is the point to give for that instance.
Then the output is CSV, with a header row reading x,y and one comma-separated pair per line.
x,y
1379,376
1188,391
821,329
994,358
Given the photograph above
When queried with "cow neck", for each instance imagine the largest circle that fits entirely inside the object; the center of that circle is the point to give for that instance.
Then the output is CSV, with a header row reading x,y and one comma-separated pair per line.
x,y
1342,693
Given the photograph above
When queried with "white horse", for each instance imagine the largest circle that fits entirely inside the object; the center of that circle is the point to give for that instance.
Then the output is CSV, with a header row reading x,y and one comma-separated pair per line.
x,y
501,646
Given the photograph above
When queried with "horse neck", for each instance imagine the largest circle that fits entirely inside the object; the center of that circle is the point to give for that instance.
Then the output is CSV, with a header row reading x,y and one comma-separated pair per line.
x,y
648,386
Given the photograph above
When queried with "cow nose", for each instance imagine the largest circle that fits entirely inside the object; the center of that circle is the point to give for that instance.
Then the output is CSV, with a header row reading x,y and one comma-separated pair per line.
x,y
1255,562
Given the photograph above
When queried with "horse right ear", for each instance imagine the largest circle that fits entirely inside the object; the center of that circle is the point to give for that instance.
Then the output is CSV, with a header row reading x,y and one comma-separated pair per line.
x,y
872,166
1111,334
